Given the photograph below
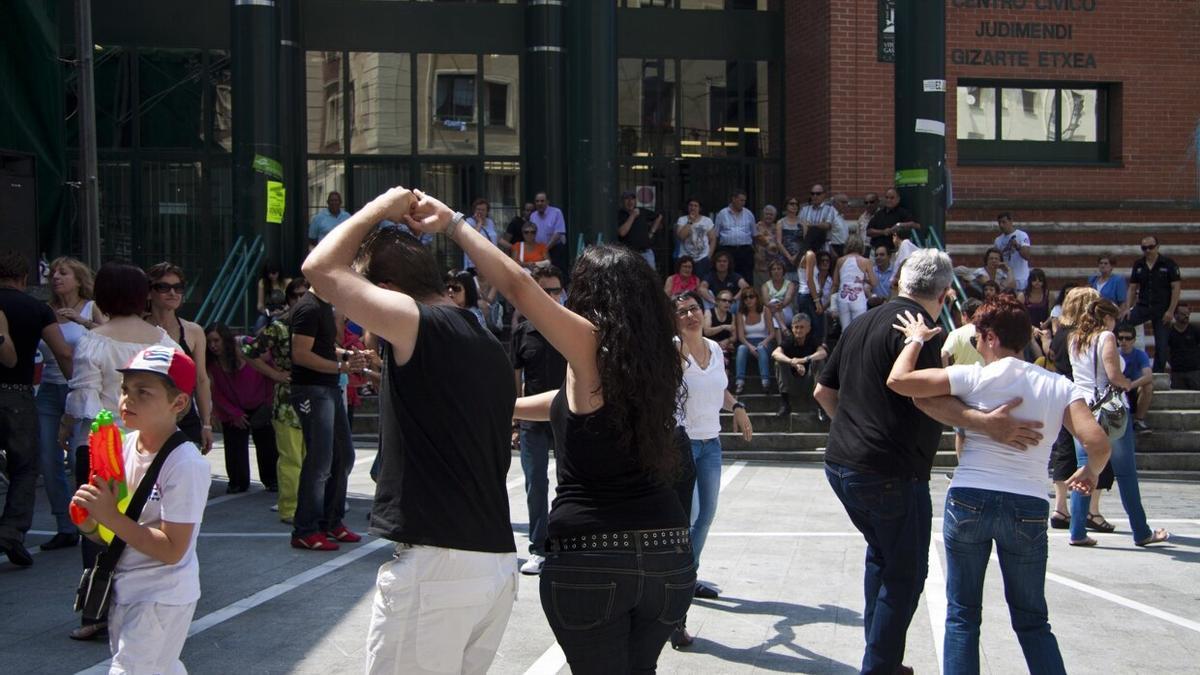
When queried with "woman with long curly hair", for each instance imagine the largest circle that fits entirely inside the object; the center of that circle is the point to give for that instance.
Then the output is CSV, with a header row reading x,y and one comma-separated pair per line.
x,y
619,573
1096,363
242,403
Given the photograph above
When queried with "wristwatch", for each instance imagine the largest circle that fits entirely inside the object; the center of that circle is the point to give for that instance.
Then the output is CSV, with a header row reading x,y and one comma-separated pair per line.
x,y
455,221
738,405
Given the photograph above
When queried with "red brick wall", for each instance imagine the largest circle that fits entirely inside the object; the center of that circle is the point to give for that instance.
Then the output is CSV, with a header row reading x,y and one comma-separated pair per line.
x,y
1150,48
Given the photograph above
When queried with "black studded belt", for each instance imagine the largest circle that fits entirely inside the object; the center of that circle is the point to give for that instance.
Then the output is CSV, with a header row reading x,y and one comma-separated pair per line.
x,y
633,541
23,388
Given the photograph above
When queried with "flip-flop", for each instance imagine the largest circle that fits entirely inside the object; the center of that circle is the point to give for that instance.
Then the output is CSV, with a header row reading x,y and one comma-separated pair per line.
x,y
1060,521
1160,535
1098,523
1086,541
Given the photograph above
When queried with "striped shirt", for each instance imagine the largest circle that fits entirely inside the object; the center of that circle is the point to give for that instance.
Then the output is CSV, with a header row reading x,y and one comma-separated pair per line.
x,y
735,229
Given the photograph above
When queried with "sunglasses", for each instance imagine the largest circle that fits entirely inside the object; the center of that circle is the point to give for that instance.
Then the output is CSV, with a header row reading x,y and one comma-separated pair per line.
x,y
454,288
1150,248
814,193
724,299
870,201
161,287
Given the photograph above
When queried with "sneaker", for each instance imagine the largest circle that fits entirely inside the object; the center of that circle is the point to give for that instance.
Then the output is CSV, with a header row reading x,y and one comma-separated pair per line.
x,y
1141,427
739,388
274,507
533,565
343,533
317,541
705,591
785,409
821,416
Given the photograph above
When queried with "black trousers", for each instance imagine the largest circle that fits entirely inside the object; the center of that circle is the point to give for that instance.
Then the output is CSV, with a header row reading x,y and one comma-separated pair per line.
x,y
237,453
1144,313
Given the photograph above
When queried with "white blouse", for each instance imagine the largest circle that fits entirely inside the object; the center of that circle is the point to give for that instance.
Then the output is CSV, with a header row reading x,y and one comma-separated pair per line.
x,y
700,408
96,384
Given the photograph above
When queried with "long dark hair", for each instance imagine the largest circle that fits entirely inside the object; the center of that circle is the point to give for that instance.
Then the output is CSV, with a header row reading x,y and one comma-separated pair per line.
x,y
270,267
640,370
227,359
467,281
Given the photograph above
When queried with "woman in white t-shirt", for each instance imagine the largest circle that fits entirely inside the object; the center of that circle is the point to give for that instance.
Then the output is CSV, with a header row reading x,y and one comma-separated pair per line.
x,y
697,237
1095,363
71,283
998,495
703,395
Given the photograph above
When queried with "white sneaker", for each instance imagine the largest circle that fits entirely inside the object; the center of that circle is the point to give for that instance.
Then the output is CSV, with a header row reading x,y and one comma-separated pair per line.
x,y
274,507
533,565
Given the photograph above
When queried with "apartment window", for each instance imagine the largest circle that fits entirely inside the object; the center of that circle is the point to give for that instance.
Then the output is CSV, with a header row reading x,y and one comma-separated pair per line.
x,y
1033,122
456,98
496,100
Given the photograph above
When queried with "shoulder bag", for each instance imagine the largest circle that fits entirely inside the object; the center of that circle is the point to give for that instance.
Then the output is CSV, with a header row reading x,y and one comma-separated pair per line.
x,y
95,586
1109,406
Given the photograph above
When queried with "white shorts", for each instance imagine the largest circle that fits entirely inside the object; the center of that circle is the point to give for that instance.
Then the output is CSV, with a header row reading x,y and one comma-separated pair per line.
x,y
440,610
145,638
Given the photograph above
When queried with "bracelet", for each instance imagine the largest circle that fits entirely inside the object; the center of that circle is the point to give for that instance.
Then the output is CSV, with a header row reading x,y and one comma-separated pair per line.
x,y
737,405
911,339
455,221
206,427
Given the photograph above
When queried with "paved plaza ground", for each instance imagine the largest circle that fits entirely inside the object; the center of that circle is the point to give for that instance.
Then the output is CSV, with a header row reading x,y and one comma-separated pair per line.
x,y
786,558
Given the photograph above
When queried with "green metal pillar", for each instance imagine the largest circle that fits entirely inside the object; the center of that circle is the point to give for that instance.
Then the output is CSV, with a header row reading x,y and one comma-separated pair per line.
x,y
591,31
921,111
254,57
542,83
293,239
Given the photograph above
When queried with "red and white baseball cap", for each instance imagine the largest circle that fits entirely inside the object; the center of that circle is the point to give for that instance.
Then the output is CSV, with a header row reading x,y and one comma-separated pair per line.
x,y
171,363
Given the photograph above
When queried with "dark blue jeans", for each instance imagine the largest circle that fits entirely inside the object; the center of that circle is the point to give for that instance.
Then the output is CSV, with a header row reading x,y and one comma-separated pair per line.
x,y
1017,523
613,612
536,439
894,514
19,438
1141,314
329,456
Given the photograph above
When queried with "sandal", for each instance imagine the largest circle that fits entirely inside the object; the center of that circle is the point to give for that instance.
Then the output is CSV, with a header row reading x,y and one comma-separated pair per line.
x,y
89,632
1085,542
1160,535
1060,520
1098,523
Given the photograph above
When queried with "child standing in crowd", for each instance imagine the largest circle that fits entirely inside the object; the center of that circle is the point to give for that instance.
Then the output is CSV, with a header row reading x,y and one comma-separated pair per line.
x,y
157,579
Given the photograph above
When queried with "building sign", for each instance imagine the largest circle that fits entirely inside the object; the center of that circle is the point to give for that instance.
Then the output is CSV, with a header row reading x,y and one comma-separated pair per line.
x,y
1047,23
887,31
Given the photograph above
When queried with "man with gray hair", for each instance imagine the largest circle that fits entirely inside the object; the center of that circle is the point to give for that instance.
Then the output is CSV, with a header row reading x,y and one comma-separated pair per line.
x,y
881,449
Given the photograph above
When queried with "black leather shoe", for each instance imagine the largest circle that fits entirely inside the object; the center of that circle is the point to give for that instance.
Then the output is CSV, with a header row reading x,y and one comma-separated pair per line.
x,y
785,409
680,638
60,540
17,554
706,592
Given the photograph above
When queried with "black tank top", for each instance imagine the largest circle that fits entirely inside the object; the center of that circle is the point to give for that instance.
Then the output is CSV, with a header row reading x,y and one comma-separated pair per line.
x,y
717,322
190,424
601,486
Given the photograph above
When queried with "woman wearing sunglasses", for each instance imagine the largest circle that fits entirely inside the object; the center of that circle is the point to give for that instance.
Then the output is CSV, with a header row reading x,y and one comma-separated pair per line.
x,y
167,288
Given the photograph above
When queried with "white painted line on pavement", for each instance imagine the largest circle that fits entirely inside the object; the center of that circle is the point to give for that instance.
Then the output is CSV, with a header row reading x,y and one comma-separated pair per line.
x,y
365,460
935,598
549,663
1125,602
225,498
785,534
728,476
267,594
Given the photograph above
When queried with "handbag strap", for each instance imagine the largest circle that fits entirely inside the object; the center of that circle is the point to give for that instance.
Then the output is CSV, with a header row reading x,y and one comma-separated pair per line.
x,y
107,560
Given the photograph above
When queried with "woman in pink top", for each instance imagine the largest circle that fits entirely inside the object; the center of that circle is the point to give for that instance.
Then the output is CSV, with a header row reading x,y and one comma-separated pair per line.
x,y
242,402
683,280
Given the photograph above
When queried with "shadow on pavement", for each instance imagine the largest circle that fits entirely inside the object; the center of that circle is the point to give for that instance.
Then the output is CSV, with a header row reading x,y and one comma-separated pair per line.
x,y
800,660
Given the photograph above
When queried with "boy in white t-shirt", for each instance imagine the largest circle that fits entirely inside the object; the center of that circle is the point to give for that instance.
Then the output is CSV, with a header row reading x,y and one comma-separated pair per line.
x,y
157,579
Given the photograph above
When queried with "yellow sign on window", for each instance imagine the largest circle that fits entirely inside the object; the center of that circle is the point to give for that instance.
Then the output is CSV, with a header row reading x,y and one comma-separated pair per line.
x,y
276,199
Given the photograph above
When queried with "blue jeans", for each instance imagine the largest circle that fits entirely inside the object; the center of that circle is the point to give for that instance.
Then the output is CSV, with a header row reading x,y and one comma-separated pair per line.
x,y
52,459
536,439
894,515
764,360
325,473
1124,464
613,612
1017,523
707,455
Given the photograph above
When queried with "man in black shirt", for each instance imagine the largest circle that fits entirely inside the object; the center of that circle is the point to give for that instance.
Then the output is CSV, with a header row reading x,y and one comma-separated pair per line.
x,y
1184,340
794,362
538,367
881,448
317,366
512,234
446,408
636,228
1153,294
889,220
28,321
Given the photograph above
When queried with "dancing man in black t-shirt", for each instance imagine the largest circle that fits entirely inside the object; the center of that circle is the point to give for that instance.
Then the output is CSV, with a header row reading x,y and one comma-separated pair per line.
x,y
881,448
443,601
